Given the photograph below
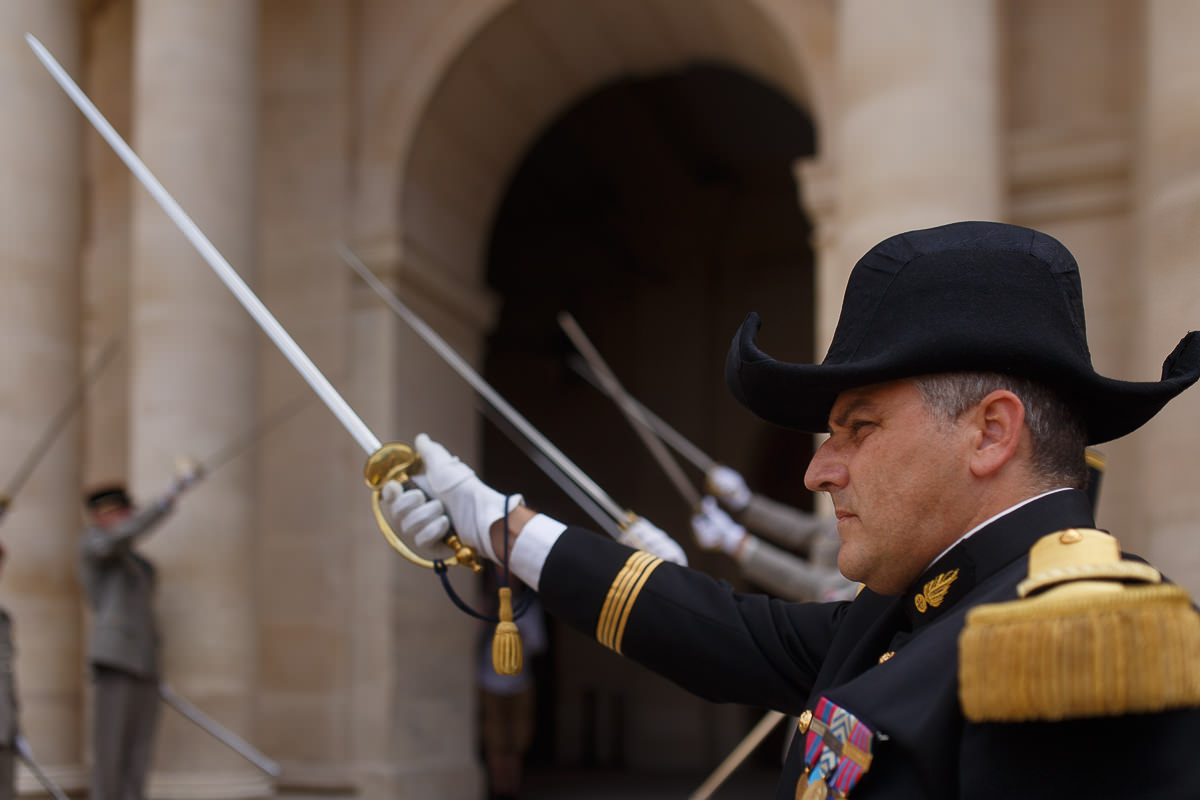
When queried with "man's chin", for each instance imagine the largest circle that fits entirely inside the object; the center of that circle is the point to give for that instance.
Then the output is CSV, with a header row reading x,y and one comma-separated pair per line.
x,y
847,567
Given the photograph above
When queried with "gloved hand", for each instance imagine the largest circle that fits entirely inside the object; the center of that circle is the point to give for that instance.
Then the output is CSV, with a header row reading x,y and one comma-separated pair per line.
x,y
420,523
728,486
188,473
644,535
716,530
468,502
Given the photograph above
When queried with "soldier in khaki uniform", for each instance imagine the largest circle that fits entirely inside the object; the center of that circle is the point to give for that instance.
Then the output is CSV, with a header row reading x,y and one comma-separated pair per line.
x,y
123,651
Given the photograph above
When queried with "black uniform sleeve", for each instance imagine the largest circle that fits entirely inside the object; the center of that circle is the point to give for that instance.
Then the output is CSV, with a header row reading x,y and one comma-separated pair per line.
x,y
693,630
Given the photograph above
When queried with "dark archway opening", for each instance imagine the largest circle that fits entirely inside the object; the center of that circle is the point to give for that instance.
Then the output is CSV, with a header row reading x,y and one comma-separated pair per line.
x,y
658,212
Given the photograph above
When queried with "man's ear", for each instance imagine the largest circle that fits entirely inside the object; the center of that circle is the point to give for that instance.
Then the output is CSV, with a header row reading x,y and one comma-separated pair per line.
x,y
999,424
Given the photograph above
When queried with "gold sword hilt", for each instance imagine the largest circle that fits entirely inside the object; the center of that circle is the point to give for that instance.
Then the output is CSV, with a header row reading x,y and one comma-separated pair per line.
x,y
396,461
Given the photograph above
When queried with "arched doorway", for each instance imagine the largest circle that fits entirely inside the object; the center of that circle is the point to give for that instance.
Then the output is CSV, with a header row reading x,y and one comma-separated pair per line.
x,y
658,212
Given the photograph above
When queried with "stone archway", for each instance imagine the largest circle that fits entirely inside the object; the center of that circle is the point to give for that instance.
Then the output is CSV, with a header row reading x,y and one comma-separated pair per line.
x,y
463,135
496,74
658,212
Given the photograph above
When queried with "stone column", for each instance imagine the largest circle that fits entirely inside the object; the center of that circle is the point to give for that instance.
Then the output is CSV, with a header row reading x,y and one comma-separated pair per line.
x,y
817,190
192,372
414,717
1169,234
917,142
40,203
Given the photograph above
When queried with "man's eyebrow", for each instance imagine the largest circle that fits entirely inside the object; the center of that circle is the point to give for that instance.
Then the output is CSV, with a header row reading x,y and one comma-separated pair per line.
x,y
850,409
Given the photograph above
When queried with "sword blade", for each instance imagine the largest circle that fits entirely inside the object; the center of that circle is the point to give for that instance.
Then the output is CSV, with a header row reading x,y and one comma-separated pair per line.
x,y
58,422
251,437
627,407
298,358
737,756
219,732
586,503
26,754
678,442
490,395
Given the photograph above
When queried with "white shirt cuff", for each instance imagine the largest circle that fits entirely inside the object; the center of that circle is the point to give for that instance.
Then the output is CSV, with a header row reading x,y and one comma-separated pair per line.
x,y
529,552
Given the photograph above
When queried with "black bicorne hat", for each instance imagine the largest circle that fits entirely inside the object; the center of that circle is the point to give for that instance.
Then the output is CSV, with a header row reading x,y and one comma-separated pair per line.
x,y
103,498
977,296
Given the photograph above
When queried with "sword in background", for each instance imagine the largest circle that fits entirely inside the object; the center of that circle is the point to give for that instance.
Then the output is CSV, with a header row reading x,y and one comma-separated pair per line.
x,y
571,490
251,437
629,409
26,754
598,496
678,442
57,423
223,735
735,758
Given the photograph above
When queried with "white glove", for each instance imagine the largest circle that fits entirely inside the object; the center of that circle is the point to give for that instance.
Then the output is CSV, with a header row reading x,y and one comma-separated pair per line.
x,y
729,487
420,523
470,504
187,473
644,535
716,530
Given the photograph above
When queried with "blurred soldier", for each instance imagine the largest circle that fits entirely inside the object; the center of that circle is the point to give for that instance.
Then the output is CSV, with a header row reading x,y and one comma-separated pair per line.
x,y
123,652
8,706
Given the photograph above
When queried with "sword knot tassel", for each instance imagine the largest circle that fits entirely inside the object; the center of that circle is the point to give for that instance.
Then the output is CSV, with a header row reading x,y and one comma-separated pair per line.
x,y
506,644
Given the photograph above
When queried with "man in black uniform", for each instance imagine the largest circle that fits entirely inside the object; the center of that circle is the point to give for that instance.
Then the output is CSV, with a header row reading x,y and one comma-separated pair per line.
x,y
1001,647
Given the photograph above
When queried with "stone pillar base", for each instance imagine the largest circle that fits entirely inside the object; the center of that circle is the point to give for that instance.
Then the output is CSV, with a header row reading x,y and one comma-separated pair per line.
x,y
71,778
209,786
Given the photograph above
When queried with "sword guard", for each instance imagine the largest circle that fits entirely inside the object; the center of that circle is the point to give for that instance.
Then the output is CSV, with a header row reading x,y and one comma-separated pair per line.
x,y
396,461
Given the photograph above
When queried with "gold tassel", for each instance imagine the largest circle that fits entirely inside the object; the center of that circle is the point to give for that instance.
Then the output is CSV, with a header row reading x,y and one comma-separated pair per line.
x,y
506,645
1087,646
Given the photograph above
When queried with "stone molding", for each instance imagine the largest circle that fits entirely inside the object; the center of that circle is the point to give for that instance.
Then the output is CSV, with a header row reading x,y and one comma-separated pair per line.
x,y
213,785
421,282
1068,173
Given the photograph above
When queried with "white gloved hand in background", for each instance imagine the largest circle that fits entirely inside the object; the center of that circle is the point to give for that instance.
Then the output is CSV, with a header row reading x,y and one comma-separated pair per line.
x,y
716,530
188,473
471,505
728,486
644,535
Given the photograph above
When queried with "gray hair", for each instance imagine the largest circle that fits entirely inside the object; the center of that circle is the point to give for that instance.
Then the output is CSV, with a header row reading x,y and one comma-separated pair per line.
x,y
1058,433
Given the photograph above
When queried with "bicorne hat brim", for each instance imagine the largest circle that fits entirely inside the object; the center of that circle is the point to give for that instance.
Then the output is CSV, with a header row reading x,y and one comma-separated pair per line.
x,y
972,296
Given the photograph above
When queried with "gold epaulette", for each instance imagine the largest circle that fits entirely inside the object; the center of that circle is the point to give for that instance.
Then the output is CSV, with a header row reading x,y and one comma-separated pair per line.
x,y
1091,635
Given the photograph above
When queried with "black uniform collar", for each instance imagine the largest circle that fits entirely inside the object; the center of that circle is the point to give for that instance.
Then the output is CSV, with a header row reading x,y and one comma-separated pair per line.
x,y
998,543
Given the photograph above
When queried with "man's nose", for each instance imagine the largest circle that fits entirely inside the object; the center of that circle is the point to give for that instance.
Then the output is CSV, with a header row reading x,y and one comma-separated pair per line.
x,y
826,472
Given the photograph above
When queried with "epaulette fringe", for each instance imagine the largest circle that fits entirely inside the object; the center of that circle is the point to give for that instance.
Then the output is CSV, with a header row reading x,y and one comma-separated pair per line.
x,y
1089,645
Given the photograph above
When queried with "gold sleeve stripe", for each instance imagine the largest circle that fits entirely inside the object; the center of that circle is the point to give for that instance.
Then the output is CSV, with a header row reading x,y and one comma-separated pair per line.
x,y
610,628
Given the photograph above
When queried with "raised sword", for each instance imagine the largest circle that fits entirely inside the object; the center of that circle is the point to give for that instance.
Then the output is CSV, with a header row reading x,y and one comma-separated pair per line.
x,y
622,517
391,461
